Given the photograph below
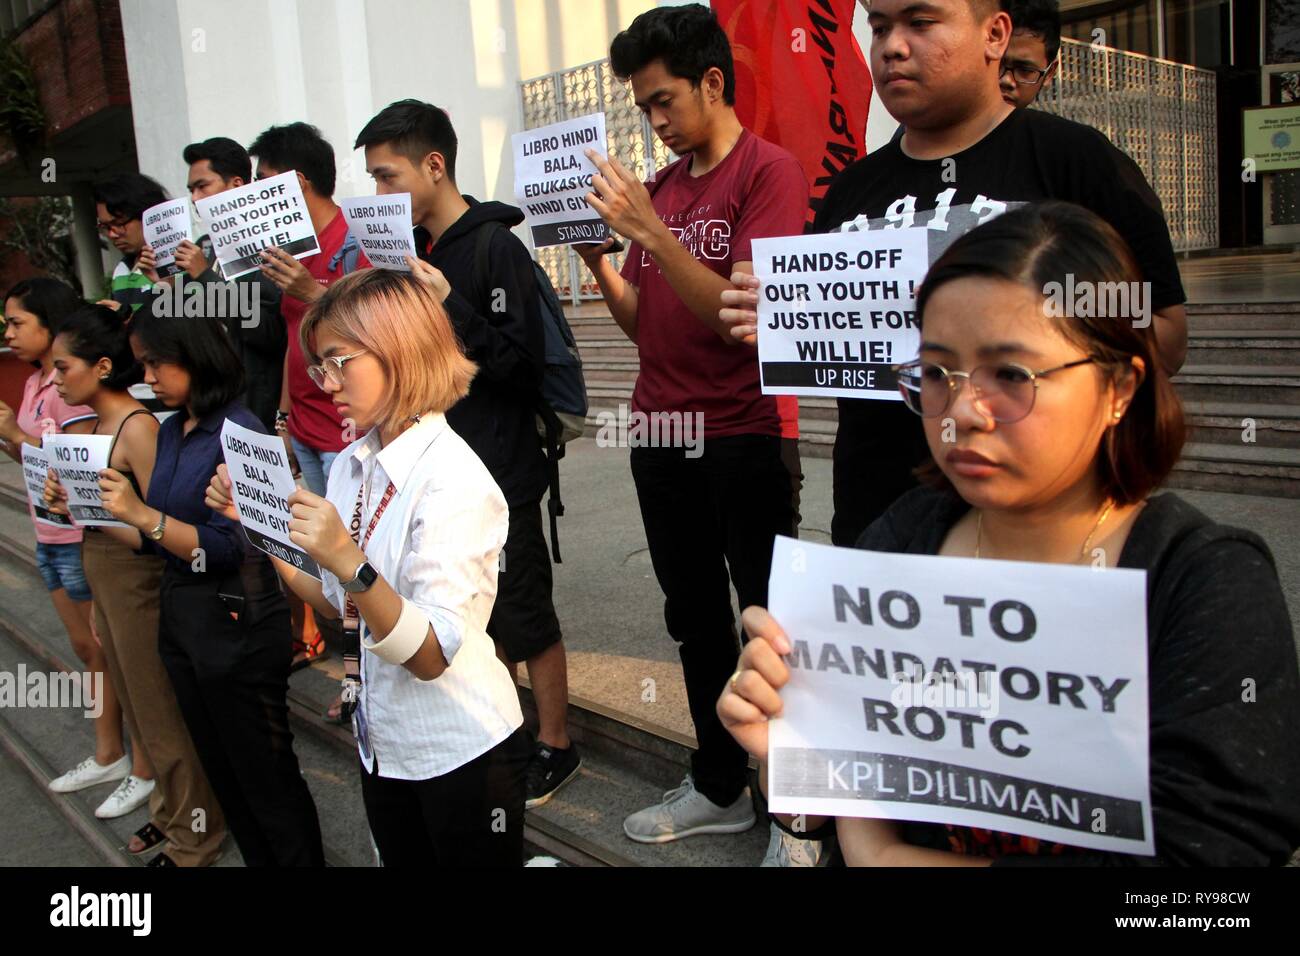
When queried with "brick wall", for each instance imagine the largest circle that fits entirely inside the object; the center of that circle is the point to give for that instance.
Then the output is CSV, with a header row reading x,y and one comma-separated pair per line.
x,y
78,57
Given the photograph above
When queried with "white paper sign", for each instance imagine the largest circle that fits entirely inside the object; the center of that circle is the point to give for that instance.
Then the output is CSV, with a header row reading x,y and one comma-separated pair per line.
x,y
382,227
1040,730
262,482
36,466
836,311
553,177
243,221
166,226
78,460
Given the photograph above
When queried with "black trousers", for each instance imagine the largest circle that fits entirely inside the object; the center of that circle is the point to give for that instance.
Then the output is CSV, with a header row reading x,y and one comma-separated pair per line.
x,y
878,446
707,519
472,816
231,679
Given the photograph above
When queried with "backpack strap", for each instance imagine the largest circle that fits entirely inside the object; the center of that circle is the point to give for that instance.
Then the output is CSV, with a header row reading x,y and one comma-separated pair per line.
x,y
349,254
483,259
554,449
552,446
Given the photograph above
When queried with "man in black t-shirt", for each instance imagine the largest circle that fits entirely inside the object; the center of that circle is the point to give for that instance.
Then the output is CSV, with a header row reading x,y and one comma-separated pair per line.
x,y
967,156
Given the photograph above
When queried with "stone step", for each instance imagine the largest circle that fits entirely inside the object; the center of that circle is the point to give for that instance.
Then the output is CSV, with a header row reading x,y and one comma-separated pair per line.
x,y
1261,347
1255,315
1224,423
1239,384
1240,469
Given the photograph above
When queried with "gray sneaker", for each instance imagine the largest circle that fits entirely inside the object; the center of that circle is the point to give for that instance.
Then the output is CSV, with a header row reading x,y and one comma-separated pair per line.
x,y
687,812
787,850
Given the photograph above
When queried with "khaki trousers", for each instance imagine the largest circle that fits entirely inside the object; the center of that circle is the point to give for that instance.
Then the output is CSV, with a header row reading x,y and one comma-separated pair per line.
x,y
126,589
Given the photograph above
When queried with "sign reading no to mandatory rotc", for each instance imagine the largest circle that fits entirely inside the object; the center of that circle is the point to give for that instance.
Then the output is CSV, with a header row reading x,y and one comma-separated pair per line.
x,y
998,694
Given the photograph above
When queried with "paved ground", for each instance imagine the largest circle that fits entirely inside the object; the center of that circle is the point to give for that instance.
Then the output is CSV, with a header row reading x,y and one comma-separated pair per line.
x,y
612,610
1271,277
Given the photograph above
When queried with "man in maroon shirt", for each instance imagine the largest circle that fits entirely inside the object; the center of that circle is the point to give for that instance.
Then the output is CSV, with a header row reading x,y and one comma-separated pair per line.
x,y
307,417
714,512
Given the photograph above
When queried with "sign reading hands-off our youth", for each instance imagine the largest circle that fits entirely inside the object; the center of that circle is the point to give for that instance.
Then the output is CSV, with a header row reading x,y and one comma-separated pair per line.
x,y
78,460
241,222
36,467
261,483
836,311
997,694
553,177
382,227
166,226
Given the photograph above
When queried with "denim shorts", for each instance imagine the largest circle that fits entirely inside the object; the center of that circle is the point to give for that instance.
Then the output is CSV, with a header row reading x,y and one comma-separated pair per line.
x,y
60,567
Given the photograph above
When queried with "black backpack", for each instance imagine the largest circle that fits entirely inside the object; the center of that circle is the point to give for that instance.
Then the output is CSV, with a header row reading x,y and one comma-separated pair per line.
x,y
562,399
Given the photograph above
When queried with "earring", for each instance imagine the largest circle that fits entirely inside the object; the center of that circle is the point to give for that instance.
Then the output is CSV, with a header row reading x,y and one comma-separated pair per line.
x,y
103,378
1119,415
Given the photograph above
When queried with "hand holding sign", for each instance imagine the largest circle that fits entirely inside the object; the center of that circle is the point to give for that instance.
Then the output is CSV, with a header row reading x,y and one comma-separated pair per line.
x,y
147,263
191,259
740,307
119,499
219,496
54,494
317,529
752,696
622,200
290,275
431,275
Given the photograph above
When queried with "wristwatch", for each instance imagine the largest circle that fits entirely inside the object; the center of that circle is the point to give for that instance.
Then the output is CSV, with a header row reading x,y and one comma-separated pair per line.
x,y
361,581
157,533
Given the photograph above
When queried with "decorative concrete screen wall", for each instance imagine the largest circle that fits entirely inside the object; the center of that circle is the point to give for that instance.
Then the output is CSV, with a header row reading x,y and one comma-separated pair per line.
x,y
1159,112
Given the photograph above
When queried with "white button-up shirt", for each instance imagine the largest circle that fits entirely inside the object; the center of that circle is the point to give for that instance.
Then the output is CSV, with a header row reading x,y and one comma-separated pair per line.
x,y
437,544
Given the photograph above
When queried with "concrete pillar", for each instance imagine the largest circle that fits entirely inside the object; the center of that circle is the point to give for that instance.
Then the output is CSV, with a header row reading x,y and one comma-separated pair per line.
x,y
85,242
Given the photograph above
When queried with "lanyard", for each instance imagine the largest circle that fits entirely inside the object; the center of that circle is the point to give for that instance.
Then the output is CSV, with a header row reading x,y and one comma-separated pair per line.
x,y
351,617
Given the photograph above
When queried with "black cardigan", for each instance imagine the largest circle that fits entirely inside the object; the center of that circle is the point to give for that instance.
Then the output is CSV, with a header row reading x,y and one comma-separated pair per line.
x,y
1225,771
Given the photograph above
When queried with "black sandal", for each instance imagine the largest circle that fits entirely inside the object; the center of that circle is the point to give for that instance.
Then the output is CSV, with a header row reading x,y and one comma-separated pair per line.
x,y
150,835
162,859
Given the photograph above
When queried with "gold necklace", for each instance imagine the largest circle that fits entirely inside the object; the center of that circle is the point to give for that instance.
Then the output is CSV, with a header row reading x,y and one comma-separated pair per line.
x,y
1083,552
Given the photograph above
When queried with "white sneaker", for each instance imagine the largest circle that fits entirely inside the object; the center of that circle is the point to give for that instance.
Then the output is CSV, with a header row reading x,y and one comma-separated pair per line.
x,y
130,793
787,850
90,774
687,812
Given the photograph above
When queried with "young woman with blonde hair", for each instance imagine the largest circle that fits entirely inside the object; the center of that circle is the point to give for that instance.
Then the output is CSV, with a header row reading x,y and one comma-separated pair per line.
x,y
408,536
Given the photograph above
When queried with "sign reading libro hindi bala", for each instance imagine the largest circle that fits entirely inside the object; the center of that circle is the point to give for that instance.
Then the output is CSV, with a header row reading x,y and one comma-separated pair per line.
x,y
553,177
262,482
78,460
1272,136
166,226
243,221
836,311
36,467
382,227
997,694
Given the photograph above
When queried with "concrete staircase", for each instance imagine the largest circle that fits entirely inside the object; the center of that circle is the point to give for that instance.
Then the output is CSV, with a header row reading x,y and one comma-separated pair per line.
x,y
628,763
1240,387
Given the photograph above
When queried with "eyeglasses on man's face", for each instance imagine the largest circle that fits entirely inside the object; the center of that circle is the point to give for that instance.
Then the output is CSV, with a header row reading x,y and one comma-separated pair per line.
x,y
331,369
1024,73
1006,391
113,225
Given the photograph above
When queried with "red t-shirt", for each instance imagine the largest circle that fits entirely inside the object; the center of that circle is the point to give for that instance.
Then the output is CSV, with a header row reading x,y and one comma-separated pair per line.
x,y
759,190
314,420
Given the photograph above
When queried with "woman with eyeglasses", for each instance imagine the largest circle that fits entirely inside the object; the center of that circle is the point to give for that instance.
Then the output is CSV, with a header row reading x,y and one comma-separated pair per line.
x,y
223,630
1049,434
408,537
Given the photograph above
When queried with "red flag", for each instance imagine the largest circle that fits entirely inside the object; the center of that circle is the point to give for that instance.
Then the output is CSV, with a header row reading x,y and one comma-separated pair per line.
x,y
801,80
